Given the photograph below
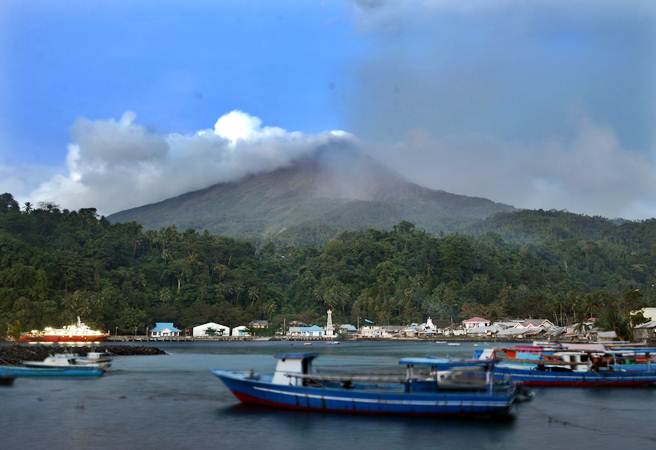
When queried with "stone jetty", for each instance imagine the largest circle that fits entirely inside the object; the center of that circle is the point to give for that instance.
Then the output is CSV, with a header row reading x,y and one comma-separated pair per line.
x,y
14,354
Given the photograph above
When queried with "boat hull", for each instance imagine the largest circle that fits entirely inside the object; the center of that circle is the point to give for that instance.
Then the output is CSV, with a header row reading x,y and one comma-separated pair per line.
x,y
531,377
354,401
52,338
29,372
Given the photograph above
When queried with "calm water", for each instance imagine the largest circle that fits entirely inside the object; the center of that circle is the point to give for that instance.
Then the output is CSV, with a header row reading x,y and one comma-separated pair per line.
x,y
173,402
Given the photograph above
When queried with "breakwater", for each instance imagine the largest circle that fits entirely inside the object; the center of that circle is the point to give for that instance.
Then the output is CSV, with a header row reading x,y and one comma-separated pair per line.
x,y
14,354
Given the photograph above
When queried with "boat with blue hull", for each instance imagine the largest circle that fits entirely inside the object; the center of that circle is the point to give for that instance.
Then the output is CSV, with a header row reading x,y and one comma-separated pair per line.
x,y
31,372
430,386
568,368
561,377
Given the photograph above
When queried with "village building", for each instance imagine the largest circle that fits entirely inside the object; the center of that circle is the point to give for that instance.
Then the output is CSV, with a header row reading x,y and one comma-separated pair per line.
x,y
240,331
258,324
648,313
475,322
347,328
453,331
210,329
311,331
381,331
645,331
164,329
535,323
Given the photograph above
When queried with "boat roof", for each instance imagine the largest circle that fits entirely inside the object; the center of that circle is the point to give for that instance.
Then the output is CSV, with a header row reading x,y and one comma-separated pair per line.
x,y
299,355
443,363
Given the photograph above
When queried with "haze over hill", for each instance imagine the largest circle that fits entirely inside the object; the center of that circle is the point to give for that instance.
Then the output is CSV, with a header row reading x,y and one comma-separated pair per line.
x,y
335,189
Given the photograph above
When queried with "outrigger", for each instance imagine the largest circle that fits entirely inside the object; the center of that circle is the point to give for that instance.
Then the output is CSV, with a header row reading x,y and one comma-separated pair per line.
x,y
430,386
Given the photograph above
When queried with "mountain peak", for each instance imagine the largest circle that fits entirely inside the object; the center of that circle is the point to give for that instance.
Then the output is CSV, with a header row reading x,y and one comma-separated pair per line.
x,y
336,188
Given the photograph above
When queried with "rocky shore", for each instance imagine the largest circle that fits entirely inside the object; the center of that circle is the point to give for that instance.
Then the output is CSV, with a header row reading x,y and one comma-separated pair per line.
x,y
14,354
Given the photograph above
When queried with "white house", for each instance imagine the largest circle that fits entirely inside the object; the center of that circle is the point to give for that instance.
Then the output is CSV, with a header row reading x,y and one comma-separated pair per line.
x,y
381,331
163,329
241,330
312,331
648,313
211,329
347,328
475,322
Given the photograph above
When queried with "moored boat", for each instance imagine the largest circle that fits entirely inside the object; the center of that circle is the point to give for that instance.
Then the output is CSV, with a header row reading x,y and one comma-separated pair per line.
x,y
78,332
21,371
562,368
93,359
430,386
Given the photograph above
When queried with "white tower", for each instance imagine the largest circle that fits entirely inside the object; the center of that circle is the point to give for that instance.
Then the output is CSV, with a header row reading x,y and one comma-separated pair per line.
x,y
330,329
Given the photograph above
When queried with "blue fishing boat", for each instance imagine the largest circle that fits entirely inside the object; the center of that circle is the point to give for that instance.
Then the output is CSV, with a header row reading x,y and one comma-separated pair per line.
x,y
31,372
430,386
568,369
558,376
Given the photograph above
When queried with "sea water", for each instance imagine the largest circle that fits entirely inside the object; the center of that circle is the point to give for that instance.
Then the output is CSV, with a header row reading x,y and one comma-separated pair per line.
x,y
174,402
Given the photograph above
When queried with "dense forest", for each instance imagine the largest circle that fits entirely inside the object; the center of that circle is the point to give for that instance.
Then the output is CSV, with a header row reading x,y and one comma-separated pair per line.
x,y
56,264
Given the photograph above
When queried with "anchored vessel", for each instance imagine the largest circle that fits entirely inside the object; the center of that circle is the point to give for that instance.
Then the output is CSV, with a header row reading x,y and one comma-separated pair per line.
x,y
93,359
559,366
431,386
59,365
30,372
78,332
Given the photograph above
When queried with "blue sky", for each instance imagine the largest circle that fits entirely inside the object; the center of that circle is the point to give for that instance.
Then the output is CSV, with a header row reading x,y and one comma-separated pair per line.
x,y
544,104
179,65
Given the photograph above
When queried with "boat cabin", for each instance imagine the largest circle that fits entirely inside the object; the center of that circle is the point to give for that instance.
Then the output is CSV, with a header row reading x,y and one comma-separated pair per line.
x,y
291,364
431,374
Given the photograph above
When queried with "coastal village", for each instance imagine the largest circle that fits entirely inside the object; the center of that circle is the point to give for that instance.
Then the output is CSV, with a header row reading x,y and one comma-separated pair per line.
x,y
473,328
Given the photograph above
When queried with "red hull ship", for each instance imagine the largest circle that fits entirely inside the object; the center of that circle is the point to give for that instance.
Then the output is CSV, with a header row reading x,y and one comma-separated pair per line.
x,y
78,332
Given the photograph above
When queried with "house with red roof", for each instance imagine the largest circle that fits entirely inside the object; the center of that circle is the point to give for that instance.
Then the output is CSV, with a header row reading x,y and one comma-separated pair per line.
x,y
475,322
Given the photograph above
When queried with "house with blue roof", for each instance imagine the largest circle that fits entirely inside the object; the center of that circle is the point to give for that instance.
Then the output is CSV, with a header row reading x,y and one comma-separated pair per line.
x,y
164,329
311,331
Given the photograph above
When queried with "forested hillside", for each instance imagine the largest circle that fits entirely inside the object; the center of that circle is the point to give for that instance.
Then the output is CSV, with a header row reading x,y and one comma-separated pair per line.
x,y
56,264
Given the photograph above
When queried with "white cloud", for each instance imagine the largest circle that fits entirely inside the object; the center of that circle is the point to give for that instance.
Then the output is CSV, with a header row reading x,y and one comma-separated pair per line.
x,y
588,173
118,164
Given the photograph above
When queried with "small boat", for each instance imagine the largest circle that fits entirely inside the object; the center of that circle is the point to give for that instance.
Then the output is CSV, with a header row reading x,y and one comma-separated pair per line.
x,y
332,342
97,360
307,343
440,342
101,359
20,371
453,344
430,386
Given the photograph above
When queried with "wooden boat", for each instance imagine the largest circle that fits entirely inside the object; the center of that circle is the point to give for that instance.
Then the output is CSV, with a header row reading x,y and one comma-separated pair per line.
x,y
71,360
532,367
21,371
430,386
